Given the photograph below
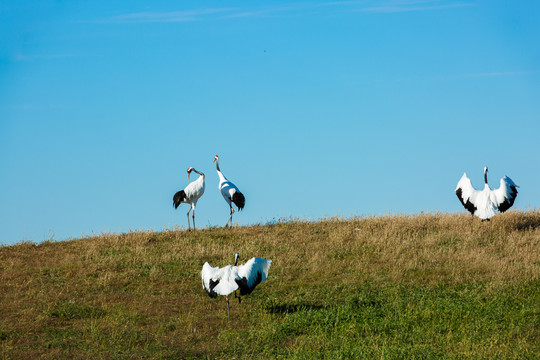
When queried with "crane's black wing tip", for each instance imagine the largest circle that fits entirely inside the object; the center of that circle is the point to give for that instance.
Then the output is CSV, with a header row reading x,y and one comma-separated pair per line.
x,y
467,204
509,201
178,198
211,291
243,284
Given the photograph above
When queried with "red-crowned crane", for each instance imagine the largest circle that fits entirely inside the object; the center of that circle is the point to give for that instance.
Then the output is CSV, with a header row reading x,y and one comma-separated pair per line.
x,y
191,194
230,278
230,192
484,203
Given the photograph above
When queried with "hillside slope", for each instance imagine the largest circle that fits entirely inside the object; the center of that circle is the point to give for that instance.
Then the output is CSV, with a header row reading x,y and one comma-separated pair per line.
x,y
423,286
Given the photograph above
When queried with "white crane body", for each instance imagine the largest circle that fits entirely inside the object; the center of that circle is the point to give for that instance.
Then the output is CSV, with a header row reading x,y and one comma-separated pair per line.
x,y
229,191
194,191
191,194
227,188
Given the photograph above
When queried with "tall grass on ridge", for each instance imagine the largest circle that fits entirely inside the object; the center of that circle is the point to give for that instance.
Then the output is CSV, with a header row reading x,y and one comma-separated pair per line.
x,y
420,286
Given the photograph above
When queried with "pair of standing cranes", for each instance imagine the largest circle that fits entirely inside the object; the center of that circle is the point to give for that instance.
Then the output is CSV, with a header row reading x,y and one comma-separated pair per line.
x,y
193,192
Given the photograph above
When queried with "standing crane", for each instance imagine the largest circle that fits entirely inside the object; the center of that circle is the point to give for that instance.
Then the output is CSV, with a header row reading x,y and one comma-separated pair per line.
x,y
484,203
230,278
191,194
230,192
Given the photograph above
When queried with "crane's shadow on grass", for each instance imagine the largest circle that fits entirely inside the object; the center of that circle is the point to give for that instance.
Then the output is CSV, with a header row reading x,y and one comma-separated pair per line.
x,y
367,299
529,223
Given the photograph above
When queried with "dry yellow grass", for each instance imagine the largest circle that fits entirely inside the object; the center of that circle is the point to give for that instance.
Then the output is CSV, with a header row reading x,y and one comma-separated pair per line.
x,y
139,294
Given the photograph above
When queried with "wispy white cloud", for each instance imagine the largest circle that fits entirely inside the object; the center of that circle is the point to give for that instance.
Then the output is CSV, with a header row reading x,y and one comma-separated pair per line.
x,y
393,6
411,7
164,16
366,6
271,11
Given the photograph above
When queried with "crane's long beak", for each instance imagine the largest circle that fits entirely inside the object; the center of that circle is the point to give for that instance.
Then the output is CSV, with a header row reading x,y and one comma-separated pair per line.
x,y
188,176
214,160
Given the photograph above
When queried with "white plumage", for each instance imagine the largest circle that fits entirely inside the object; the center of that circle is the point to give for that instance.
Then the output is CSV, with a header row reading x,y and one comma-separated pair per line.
x,y
191,194
229,191
223,281
484,203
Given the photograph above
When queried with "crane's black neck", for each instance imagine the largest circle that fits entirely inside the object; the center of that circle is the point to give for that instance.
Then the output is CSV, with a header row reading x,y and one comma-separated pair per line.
x,y
198,172
485,177
217,165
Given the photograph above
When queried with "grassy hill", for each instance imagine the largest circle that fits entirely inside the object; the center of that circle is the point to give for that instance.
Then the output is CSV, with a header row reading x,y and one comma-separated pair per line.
x,y
424,286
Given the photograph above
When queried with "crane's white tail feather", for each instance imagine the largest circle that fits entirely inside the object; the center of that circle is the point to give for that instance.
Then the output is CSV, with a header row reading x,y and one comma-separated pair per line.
x,y
239,200
178,198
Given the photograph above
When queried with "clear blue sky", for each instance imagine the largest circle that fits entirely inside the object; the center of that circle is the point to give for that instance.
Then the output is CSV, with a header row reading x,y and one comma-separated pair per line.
x,y
315,108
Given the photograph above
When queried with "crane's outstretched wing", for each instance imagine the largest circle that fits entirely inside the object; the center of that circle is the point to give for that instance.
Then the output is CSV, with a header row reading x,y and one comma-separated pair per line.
x,y
251,274
210,279
226,277
466,193
506,194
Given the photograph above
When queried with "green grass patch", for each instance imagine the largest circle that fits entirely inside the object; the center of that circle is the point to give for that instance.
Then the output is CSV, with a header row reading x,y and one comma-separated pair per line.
x,y
70,310
398,321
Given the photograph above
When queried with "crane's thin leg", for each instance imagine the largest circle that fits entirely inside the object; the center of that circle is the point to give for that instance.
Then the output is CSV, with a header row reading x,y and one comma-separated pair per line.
x,y
193,204
228,310
230,217
189,228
